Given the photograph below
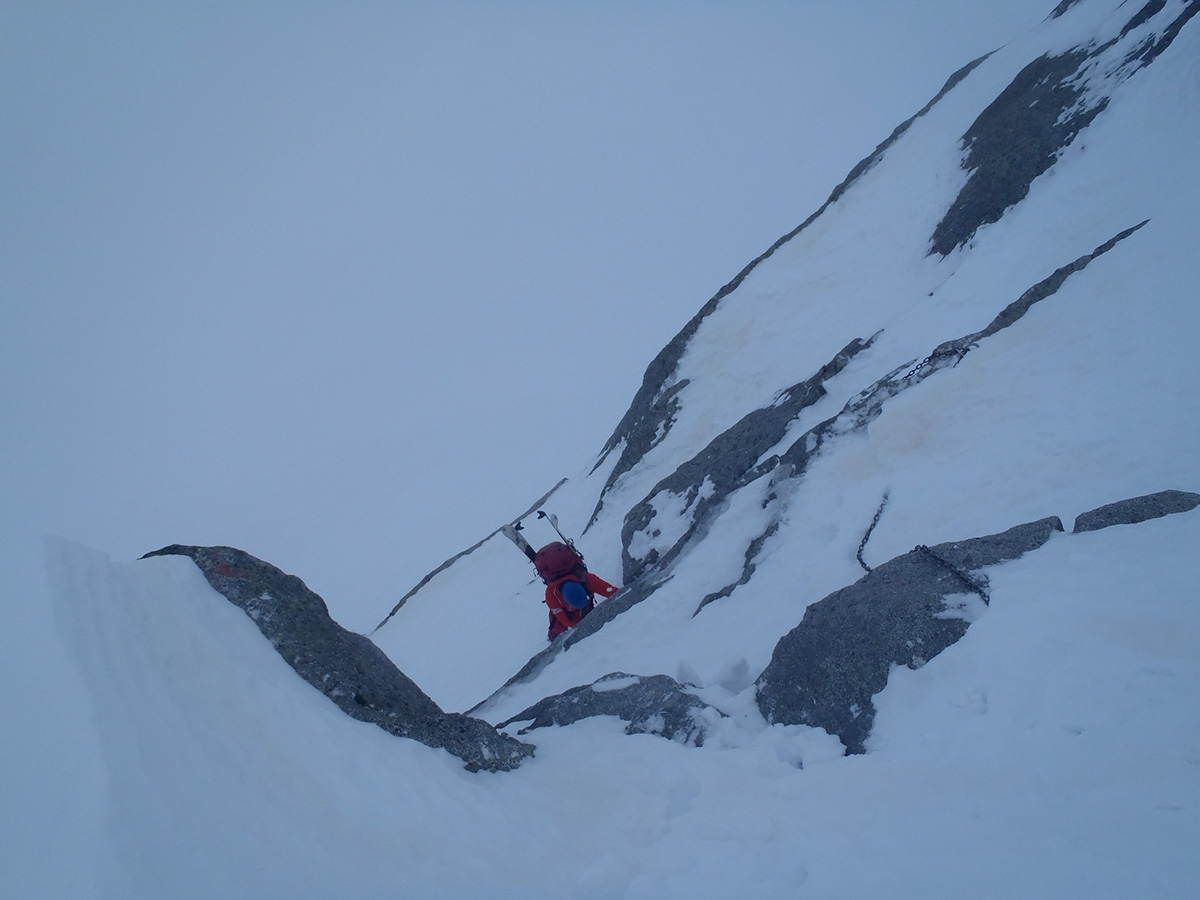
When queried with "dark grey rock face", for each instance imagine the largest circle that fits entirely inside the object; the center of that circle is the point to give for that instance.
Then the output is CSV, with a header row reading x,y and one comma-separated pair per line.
x,y
346,667
654,704
1062,8
1023,131
1136,509
825,671
1015,140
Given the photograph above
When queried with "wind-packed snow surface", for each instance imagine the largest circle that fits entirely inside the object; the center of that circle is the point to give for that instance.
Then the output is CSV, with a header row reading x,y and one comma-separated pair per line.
x,y
1037,361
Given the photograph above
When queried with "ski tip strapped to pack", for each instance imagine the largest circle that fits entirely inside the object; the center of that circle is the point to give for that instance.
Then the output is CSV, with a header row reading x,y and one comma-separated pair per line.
x,y
553,519
513,533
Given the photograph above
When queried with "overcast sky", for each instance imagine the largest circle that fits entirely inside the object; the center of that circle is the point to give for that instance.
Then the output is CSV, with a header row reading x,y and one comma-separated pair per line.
x,y
347,285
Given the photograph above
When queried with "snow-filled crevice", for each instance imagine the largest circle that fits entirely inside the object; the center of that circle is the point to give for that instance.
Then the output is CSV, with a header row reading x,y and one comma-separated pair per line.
x,y
748,567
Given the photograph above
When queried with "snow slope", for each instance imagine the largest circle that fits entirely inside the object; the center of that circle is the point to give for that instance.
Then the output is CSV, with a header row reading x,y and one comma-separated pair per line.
x,y
1086,399
1052,751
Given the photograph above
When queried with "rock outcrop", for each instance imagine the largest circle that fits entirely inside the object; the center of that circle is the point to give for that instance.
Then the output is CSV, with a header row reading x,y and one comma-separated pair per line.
x,y
1136,509
1024,131
344,666
655,704
698,462
825,670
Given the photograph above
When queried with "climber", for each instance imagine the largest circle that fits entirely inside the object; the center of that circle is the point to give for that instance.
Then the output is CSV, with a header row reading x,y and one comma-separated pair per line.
x,y
570,588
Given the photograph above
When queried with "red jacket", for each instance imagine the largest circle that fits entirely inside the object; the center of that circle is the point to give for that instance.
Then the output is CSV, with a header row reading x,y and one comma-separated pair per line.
x,y
562,615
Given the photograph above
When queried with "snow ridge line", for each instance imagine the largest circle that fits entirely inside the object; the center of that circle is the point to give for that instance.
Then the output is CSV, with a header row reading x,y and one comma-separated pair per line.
x,y
348,668
457,556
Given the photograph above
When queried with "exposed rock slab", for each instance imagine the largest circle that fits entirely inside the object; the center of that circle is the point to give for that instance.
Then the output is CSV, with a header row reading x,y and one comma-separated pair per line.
x,y
1136,509
1024,131
654,704
825,671
344,666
